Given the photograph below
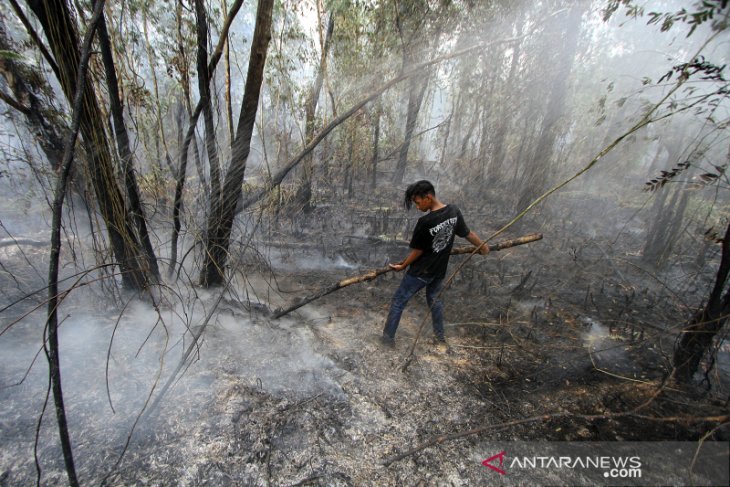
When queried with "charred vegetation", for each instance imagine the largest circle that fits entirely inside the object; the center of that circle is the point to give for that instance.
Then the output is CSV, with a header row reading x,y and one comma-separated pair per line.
x,y
257,359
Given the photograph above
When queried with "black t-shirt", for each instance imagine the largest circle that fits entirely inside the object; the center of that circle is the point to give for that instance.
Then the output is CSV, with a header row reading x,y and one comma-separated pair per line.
x,y
434,234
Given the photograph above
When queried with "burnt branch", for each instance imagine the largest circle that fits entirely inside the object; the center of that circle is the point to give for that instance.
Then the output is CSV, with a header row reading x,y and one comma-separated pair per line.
x,y
369,276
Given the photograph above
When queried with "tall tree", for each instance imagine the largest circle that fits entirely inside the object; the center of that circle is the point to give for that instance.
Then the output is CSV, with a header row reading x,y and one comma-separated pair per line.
x,y
536,176
125,152
411,17
205,98
55,18
190,135
499,148
697,336
305,195
221,215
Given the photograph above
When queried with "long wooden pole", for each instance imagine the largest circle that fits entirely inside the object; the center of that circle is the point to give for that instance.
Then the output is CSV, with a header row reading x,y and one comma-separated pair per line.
x,y
369,276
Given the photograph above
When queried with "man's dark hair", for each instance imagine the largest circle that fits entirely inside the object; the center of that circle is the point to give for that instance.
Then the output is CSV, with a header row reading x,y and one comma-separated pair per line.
x,y
420,189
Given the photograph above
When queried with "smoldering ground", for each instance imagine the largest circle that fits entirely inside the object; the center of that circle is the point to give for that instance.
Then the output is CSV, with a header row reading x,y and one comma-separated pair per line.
x,y
314,397
582,323
114,360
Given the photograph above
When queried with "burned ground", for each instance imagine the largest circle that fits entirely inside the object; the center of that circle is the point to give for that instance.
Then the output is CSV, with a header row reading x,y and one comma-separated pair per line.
x,y
571,327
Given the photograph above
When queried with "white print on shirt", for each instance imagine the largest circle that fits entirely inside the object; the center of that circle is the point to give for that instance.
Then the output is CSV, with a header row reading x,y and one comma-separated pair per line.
x,y
442,234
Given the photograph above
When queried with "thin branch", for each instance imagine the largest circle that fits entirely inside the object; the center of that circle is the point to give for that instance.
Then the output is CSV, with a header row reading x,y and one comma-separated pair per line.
x,y
52,323
14,103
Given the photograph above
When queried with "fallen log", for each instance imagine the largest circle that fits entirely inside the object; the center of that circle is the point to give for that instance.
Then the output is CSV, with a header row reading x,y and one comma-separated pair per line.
x,y
369,276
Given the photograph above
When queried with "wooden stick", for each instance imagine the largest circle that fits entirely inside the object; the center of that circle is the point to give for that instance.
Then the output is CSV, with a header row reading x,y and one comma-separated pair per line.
x,y
369,276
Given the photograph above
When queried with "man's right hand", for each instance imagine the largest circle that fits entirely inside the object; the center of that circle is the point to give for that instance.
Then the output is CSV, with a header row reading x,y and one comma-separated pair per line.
x,y
397,267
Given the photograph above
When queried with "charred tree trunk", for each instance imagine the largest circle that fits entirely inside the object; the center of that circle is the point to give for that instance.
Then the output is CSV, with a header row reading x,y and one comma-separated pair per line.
x,y
697,336
184,68
220,222
125,153
205,99
190,134
55,18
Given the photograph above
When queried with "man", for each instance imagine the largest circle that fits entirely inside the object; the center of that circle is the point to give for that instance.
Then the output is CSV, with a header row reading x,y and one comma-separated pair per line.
x,y
430,245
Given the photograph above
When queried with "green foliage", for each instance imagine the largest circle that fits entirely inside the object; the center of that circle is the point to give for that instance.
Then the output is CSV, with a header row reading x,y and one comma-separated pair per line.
x,y
708,71
11,55
705,11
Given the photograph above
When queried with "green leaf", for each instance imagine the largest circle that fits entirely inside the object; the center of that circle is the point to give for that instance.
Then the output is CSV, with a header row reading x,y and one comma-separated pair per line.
x,y
12,55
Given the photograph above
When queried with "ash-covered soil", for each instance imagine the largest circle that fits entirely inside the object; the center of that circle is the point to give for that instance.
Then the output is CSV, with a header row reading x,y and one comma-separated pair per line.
x,y
564,328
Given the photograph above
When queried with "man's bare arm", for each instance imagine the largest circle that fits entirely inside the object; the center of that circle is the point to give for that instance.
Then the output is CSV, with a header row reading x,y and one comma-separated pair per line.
x,y
474,239
412,257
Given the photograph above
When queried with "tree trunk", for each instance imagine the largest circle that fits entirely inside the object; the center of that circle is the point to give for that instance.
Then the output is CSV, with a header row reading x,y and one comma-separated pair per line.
x,y
415,97
220,221
697,336
190,134
125,153
158,112
499,149
376,144
349,173
227,61
185,84
485,139
205,99
538,169
304,198
55,18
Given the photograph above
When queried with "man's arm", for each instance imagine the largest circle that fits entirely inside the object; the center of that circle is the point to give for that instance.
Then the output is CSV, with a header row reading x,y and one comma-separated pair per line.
x,y
415,254
477,242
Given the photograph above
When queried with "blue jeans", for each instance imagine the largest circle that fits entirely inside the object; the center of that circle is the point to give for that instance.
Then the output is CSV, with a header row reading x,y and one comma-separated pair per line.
x,y
409,286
